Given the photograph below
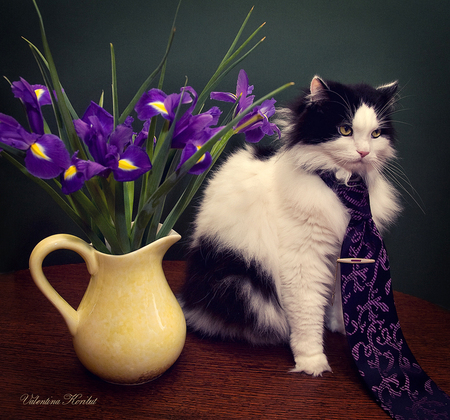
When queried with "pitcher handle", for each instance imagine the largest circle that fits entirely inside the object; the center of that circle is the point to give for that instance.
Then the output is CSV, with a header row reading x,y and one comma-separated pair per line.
x,y
45,247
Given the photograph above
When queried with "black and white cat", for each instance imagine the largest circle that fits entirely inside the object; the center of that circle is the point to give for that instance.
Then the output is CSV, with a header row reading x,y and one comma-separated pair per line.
x,y
268,231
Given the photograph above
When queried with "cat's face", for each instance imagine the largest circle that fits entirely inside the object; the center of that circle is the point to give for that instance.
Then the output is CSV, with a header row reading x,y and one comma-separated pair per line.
x,y
359,143
344,128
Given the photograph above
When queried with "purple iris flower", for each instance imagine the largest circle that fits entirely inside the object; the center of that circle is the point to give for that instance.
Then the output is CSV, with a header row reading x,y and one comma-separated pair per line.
x,y
94,128
256,124
242,91
33,97
190,132
192,127
142,136
156,102
131,164
46,156
202,164
150,104
77,172
193,146
111,147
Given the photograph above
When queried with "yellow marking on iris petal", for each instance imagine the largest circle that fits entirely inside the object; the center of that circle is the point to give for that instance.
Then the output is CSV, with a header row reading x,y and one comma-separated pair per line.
x,y
70,172
126,165
159,106
251,121
203,157
38,151
39,92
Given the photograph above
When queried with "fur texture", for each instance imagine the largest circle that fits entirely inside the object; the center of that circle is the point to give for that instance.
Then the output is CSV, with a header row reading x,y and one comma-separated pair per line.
x,y
268,232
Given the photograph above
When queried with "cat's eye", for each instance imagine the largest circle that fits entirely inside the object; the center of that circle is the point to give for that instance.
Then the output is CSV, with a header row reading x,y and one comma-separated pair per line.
x,y
345,130
376,133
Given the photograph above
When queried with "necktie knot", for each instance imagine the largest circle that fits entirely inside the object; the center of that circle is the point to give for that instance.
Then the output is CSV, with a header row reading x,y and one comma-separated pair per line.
x,y
354,195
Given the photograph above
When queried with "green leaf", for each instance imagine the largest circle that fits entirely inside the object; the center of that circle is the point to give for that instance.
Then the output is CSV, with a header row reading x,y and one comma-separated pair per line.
x,y
152,76
227,63
129,202
219,76
61,203
194,184
236,39
120,221
42,63
61,104
100,220
114,86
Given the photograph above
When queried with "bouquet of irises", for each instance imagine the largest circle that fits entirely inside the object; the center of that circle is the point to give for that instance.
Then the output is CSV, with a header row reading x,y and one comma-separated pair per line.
x,y
112,176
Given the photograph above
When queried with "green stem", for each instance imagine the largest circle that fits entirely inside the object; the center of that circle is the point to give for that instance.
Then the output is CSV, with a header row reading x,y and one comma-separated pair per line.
x,y
194,184
114,86
120,221
129,202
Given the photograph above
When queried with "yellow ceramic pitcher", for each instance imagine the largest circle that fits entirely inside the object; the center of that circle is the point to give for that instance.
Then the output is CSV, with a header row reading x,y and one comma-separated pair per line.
x,y
129,327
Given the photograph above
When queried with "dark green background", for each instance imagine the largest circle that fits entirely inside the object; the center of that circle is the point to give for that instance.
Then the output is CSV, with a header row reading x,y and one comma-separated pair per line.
x,y
349,41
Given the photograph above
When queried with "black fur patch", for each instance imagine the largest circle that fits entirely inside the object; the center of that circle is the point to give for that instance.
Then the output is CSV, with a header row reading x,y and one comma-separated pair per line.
x,y
263,152
215,283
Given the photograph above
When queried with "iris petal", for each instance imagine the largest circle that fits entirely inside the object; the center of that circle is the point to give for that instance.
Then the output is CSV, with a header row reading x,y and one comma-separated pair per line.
x,y
202,164
121,136
24,91
145,108
94,128
192,127
14,135
48,158
243,90
132,164
254,136
223,96
126,165
256,124
106,120
242,87
72,183
159,107
173,101
42,94
79,171
70,172
38,151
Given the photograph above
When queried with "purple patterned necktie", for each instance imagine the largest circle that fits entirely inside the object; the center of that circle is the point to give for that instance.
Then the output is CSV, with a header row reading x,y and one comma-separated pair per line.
x,y
378,346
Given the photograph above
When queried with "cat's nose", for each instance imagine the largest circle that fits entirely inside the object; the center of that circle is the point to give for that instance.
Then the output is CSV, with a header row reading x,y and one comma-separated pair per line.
x,y
363,153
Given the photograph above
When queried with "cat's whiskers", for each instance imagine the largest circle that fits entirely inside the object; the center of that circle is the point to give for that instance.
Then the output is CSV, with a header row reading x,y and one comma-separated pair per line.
x,y
395,173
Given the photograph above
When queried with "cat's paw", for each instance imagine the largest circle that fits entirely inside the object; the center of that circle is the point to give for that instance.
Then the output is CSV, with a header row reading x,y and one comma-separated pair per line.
x,y
312,365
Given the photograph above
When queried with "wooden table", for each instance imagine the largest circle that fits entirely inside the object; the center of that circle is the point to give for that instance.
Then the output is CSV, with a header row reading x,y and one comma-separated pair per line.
x,y
210,380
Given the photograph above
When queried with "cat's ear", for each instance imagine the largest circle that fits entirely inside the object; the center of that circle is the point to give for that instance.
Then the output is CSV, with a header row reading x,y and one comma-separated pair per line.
x,y
318,89
390,89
